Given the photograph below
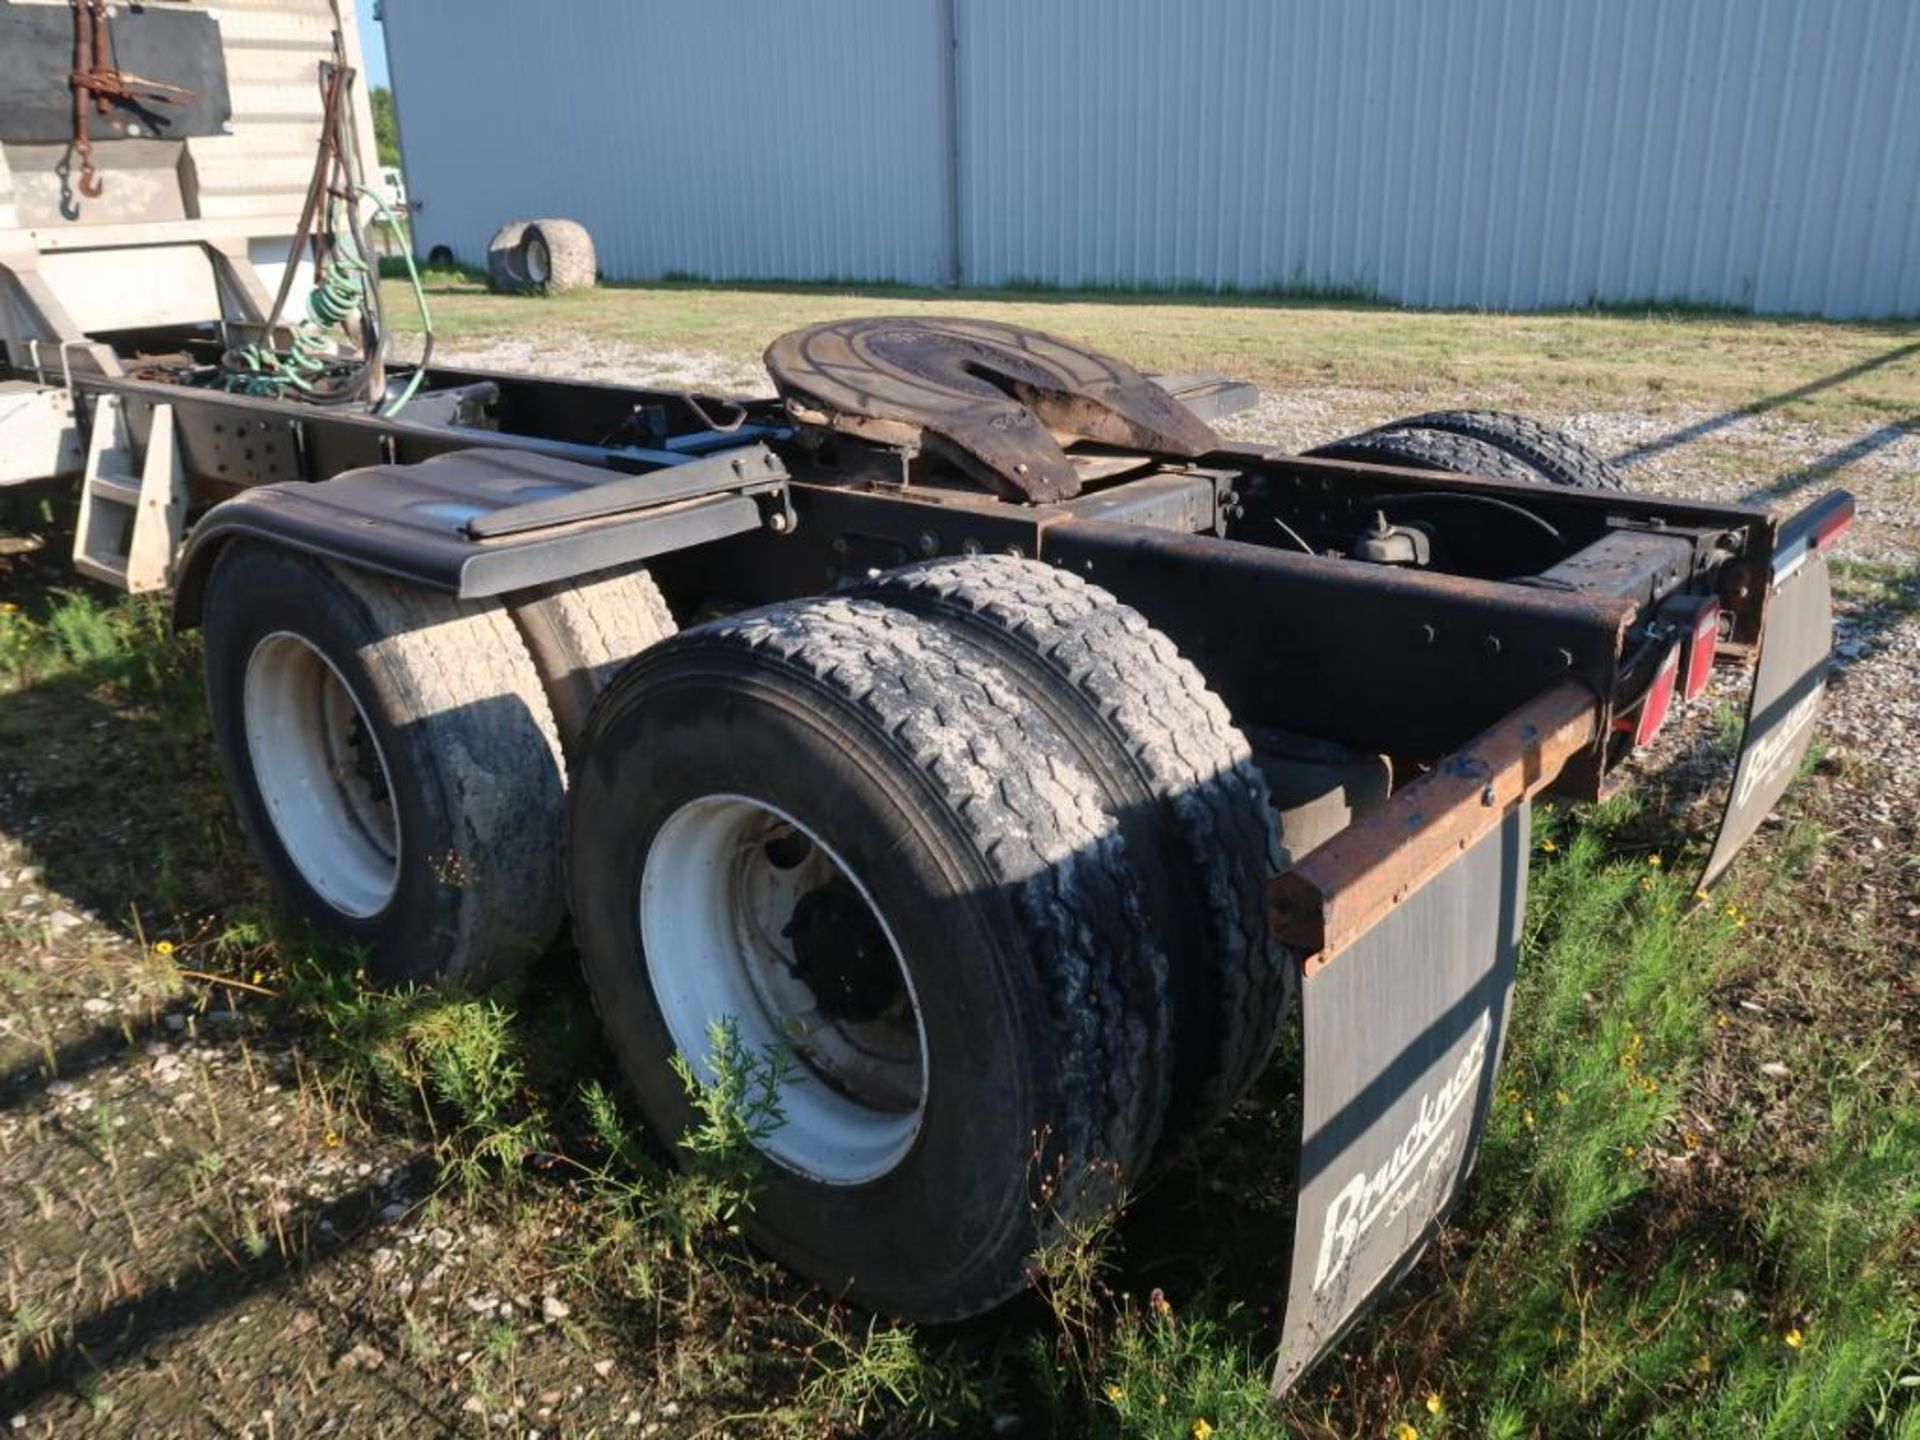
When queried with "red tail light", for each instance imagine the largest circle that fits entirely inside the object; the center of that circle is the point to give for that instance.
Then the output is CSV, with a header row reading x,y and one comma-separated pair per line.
x,y
1701,639
1645,722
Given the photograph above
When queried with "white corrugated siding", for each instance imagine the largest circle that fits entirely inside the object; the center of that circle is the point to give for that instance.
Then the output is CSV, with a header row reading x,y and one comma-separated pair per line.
x,y
1500,153
757,138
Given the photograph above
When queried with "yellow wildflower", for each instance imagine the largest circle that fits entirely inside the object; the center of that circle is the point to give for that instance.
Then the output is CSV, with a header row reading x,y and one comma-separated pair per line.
x,y
1628,1151
1794,1339
1654,860
1201,1429
1563,1097
1158,1303
1702,1363
1701,894
1161,1398
1404,1431
1548,845
332,1139
1434,1403
1114,1392
163,948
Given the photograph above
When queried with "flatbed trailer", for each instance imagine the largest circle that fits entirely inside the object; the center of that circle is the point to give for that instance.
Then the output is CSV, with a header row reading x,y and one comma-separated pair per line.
x,y
968,726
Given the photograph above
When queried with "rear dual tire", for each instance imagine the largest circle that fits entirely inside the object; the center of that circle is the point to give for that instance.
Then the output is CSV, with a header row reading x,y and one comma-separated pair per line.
x,y
1175,773
1038,806
397,757
1014,969
393,761
1482,442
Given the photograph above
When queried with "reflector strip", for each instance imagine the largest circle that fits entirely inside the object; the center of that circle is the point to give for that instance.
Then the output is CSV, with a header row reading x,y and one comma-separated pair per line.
x,y
1833,525
1788,560
1814,528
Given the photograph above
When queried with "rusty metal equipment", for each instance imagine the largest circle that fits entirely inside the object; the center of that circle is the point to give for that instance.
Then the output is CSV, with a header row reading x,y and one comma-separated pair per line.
x,y
997,400
1541,630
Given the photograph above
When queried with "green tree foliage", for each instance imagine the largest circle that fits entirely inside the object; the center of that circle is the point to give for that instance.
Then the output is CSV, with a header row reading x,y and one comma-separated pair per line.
x,y
386,132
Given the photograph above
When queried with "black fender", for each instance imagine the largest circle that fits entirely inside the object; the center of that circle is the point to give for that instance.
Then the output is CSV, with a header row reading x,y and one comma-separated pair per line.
x,y
486,521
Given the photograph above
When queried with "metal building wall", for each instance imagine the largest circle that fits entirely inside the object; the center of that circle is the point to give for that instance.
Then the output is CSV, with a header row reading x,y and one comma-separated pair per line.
x,y
757,138
1498,153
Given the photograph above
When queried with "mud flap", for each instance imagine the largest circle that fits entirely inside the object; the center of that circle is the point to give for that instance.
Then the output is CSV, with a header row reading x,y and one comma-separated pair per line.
x,y
1788,685
1401,1033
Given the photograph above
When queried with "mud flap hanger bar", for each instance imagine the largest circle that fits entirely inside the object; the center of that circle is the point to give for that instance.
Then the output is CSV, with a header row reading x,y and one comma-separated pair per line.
x,y
1348,885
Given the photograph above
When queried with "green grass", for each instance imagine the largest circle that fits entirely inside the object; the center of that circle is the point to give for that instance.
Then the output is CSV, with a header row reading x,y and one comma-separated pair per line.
x,y
1649,359
1662,1238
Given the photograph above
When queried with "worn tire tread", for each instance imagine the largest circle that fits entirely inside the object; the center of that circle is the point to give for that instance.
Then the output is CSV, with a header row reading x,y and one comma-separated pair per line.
x,y
572,263
580,632
1185,756
1553,454
1004,778
457,660
1400,444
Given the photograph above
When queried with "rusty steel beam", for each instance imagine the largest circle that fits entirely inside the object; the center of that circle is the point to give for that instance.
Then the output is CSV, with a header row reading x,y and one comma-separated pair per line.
x,y
1348,885
1387,659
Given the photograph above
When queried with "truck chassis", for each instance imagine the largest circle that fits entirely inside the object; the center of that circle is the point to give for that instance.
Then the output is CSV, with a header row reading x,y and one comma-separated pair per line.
x,y
969,728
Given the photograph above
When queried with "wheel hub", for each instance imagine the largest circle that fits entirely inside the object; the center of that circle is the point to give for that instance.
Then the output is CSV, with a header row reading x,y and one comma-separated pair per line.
x,y
746,916
320,774
842,955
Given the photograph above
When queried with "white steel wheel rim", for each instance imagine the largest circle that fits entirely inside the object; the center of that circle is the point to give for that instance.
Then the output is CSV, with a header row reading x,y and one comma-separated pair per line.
x,y
318,768
711,919
539,262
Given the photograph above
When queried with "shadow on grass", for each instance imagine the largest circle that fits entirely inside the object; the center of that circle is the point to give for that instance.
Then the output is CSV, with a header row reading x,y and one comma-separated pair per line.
x,y
1870,624
1831,464
203,1294
1687,434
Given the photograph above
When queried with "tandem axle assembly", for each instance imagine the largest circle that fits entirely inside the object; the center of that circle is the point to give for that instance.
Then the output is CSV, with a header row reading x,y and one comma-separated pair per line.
x,y
966,723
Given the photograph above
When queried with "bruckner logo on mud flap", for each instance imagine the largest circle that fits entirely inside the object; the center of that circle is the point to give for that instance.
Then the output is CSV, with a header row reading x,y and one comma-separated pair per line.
x,y
1432,1138
1775,748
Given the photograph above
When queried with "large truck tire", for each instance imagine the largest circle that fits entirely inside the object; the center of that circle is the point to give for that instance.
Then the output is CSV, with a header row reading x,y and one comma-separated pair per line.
x,y
1178,777
580,632
558,256
1484,442
542,257
504,274
1555,455
841,830
1429,450
393,761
